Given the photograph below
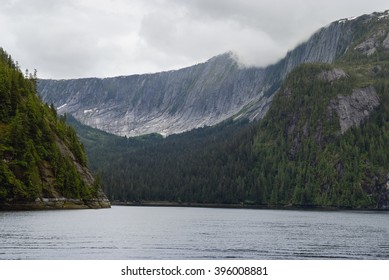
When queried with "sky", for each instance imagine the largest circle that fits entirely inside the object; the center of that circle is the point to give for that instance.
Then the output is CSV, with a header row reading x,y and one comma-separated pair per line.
x,y
65,39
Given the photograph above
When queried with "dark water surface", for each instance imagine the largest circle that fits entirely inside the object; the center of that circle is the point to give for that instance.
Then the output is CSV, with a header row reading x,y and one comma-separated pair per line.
x,y
193,233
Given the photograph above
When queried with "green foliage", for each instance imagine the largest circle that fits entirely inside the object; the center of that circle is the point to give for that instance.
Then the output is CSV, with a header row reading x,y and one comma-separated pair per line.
x,y
296,148
295,156
191,167
30,136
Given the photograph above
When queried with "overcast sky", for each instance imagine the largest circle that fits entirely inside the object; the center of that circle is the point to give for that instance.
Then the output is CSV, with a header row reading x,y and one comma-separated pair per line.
x,y
104,38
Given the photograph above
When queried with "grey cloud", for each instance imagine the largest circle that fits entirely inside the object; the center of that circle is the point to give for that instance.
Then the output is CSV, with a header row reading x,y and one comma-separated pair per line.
x,y
80,38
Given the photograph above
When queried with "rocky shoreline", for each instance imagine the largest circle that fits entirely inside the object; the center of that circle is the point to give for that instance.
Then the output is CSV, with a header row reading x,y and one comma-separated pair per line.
x,y
56,203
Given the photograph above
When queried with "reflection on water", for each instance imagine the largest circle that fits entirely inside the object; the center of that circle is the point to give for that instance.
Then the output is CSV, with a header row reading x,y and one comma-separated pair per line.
x,y
193,233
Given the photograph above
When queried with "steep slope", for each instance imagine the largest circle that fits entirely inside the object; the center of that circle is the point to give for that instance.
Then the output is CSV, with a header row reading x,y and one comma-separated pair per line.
x,y
165,103
204,165
42,164
204,94
324,153
323,141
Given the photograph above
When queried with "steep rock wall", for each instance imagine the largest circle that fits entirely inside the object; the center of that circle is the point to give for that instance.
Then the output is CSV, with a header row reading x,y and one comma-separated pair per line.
x,y
353,109
196,96
166,103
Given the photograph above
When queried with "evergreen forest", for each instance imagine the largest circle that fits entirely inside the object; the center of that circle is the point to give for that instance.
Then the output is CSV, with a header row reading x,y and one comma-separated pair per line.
x,y
40,155
323,143
297,155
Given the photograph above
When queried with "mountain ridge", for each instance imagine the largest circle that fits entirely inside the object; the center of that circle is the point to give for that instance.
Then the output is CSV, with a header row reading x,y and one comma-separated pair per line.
x,y
322,143
201,95
156,100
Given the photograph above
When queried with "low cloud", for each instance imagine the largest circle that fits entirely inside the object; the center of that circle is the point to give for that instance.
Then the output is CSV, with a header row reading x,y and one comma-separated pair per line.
x,y
83,38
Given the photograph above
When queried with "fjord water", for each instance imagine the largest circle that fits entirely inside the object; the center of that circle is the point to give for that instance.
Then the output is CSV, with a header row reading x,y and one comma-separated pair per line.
x,y
193,233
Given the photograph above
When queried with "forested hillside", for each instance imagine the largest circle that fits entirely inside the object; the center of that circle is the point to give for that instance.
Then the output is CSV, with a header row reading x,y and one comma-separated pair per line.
x,y
42,163
322,143
304,155
206,165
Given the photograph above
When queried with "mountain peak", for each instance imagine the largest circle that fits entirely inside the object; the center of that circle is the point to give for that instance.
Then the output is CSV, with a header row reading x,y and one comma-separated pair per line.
x,y
200,95
377,15
230,55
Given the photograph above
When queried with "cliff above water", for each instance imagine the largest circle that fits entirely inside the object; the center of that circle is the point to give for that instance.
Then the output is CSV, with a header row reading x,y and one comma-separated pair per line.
x,y
42,163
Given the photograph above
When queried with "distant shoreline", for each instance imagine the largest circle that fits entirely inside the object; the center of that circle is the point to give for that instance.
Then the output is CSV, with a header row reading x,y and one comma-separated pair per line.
x,y
239,206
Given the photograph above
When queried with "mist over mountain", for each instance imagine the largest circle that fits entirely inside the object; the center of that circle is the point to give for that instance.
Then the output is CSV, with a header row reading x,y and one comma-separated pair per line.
x,y
322,142
201,95
164,103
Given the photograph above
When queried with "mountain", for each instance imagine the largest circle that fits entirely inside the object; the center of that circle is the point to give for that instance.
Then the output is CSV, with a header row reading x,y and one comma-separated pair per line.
x,y
322,143
164,103
42,163
200,95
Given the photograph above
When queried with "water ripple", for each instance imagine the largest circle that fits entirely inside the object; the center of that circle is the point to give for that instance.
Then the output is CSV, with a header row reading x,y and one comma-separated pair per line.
x,y
193,233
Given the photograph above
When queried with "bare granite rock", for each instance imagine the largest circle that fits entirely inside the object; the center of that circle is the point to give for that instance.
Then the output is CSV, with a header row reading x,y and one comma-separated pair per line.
x,y
385,43
370,45
332,75
200,95
164,103
355,108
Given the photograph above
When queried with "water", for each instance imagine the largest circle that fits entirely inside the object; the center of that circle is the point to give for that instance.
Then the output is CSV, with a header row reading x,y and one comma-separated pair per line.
x,y
193,233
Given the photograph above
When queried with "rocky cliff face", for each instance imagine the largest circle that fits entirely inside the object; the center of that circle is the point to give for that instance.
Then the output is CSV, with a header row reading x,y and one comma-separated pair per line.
x,y
355,108
201,95
166,103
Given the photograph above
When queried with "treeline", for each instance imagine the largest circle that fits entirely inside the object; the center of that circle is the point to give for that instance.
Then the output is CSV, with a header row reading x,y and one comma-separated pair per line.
x,y
32,163
294,156
206,165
